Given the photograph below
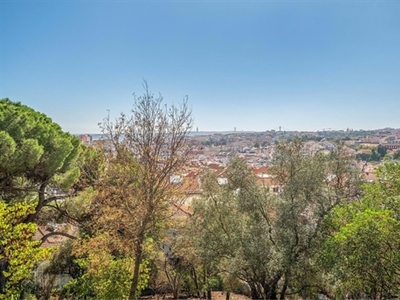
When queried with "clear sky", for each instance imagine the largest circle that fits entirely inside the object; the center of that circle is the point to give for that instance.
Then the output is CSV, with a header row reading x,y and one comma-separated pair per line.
x,y
253,65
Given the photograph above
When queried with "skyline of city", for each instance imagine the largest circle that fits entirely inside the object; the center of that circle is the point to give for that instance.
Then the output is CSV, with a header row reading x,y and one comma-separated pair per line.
x,y
301,65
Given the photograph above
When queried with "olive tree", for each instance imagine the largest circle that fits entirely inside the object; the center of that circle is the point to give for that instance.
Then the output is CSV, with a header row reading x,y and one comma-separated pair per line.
x,y
265,238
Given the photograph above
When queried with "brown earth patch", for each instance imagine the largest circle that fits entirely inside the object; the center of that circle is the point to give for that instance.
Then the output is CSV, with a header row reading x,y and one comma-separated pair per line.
x,y
215,296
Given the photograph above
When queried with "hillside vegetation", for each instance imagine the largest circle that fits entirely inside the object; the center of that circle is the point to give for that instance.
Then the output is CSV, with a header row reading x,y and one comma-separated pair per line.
x,y
128,231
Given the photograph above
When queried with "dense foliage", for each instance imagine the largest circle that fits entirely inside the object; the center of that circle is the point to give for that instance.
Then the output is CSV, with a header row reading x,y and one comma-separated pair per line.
x,y
36,155
375,155
363,253
18,252
267,239
319,229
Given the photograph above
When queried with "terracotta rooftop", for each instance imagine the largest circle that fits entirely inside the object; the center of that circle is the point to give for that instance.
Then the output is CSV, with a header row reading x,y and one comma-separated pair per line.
x,y
54,239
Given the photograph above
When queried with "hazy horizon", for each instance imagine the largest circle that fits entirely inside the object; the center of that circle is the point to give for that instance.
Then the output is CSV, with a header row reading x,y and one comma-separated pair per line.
x,y
252,131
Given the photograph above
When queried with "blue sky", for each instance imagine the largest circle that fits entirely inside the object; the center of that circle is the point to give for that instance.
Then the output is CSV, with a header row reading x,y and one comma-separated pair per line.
x,y
253,65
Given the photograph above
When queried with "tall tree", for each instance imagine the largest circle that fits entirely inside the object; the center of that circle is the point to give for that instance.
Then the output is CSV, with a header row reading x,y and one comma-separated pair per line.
x,y
144,150
36,155
313,184
262,238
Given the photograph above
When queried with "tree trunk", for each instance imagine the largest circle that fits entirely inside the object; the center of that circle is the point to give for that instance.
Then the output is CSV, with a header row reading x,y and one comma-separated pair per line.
x,y
196,283
176,288
41,202
136,271
209,294
284,288
173,279
254,291
228,295
270,291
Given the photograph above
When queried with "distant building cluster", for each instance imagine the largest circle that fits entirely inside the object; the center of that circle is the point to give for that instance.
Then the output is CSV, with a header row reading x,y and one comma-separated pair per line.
x,y
86,139
213,151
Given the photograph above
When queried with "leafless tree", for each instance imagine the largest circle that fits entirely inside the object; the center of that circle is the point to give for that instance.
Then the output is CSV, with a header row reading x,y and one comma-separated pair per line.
x,y
144,149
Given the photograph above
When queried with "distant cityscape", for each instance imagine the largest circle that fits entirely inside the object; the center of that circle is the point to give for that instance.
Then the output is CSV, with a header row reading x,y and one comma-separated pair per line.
x,y
213,150
387,136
